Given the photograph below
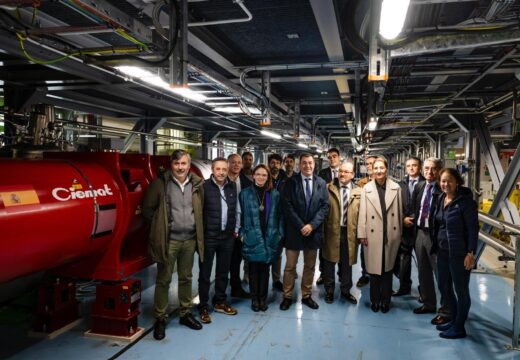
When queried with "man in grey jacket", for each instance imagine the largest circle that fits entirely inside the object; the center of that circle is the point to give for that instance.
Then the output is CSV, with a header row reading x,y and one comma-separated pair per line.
x,y
173,206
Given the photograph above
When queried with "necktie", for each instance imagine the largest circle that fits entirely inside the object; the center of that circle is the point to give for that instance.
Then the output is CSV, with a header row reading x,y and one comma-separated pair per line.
x,y
411,185
334,174
426,206
307,194
345,205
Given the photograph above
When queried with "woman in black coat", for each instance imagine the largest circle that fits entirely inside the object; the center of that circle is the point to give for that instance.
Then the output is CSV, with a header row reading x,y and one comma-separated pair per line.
x,y
455,236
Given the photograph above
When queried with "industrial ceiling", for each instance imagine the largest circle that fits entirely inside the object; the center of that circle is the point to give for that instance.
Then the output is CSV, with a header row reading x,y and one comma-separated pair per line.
x,y
298,68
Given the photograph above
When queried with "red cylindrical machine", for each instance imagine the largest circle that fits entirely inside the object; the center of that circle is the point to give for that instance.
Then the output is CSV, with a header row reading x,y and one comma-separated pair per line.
x,y
53,212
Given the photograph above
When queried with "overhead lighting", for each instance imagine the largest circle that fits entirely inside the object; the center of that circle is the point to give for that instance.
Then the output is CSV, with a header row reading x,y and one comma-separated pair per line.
x,y
270,134
155,80
372,124
235,110
87,135
393,15
302,145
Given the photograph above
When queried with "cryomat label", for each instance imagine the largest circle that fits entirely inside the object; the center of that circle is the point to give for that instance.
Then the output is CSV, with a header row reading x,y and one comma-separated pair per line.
x,y
63,194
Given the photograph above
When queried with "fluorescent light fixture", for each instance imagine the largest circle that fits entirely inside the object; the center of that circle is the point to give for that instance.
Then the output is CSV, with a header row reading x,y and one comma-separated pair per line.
x,y
270,134
155,80
235,110
393,15
87,135
372,124
302,145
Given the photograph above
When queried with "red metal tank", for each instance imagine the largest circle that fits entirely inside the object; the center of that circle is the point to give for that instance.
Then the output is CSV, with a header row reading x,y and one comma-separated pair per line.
x,y
53,212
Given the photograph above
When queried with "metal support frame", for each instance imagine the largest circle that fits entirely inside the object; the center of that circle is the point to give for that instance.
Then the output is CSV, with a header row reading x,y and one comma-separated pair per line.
x,y
378,58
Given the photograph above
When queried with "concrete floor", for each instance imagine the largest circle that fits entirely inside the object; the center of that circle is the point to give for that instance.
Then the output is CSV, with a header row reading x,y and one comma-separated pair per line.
x,y
335,331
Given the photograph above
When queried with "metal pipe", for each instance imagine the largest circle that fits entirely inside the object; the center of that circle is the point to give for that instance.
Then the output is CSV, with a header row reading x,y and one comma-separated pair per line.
x,y
329,65
496,244
228,21
499,224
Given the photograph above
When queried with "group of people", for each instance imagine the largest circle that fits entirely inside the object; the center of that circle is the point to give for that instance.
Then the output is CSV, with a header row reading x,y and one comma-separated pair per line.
x,y
253,214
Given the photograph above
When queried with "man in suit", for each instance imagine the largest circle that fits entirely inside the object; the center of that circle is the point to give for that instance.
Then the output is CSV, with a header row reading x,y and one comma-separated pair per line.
x,y
404,258
364,279
423,201
242,182
328,174
279,178
305,204
340,242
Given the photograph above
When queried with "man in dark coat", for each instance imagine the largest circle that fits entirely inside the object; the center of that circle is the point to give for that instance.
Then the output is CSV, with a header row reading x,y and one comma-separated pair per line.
x,y
306,205
242,182
403,267
173,206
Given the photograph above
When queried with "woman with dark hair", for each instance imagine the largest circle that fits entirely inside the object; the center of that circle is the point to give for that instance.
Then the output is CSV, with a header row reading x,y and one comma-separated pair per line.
x,y
379,231
455,235
261,232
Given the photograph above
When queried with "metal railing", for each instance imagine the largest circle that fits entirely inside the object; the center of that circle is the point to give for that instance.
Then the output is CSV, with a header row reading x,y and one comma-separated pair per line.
x,y
498,245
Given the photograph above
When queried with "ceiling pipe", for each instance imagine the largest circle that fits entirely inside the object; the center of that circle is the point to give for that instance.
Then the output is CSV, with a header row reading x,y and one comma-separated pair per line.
x,y
240,3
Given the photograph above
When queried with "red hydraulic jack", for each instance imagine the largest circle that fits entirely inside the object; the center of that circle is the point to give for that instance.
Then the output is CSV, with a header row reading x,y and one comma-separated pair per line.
x,y
115,311
57,307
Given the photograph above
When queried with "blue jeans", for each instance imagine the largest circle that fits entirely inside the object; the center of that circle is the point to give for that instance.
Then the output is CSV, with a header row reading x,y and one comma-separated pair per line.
x,y
452,274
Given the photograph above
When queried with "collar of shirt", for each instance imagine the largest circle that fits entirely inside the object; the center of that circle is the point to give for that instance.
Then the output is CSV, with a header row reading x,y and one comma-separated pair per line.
x,y
182,185
220,187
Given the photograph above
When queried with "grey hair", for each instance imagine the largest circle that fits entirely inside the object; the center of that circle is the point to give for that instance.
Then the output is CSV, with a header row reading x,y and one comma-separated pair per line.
x,y
436,161
178,154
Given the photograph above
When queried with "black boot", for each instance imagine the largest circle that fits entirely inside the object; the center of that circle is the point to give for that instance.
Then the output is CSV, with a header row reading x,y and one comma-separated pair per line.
x,y
255,305
263,304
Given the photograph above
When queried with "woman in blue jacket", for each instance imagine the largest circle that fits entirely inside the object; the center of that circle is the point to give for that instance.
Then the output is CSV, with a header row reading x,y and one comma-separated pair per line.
x,y
455,236
261,232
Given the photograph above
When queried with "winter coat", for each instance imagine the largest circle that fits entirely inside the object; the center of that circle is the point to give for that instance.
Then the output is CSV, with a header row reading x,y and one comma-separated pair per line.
x,y
330,248
461,223
293,203
370,225
155,212
256,247
213,208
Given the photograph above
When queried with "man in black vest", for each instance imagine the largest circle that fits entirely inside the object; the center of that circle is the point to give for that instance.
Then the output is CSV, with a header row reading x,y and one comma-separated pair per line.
x,y
242,182
221,210
305,202
403,264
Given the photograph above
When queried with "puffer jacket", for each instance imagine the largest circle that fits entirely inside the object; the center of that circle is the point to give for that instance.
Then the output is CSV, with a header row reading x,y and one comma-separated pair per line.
x,y
256,247
461,223
155,212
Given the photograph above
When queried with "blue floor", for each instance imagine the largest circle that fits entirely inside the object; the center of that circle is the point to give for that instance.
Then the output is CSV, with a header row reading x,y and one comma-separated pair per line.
x,y
338,331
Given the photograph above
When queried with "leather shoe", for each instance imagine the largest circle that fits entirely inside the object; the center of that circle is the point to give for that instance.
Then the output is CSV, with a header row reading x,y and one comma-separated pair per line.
x,y
374,307
159,329
240,293
385,307
362,281
319,281
189,321
277,285
262,304
286,304
310,303
452,333
329,297
401,292
424,310
349,297
440,320
255,306
444,327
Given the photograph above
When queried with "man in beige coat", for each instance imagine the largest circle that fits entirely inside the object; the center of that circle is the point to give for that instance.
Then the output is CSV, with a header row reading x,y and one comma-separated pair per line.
x,y
379,230
340,242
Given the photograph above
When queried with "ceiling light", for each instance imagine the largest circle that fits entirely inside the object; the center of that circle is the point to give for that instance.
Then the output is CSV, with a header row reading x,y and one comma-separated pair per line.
x,y
302,145
235,110
372,124
393,15
155,80
270,134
